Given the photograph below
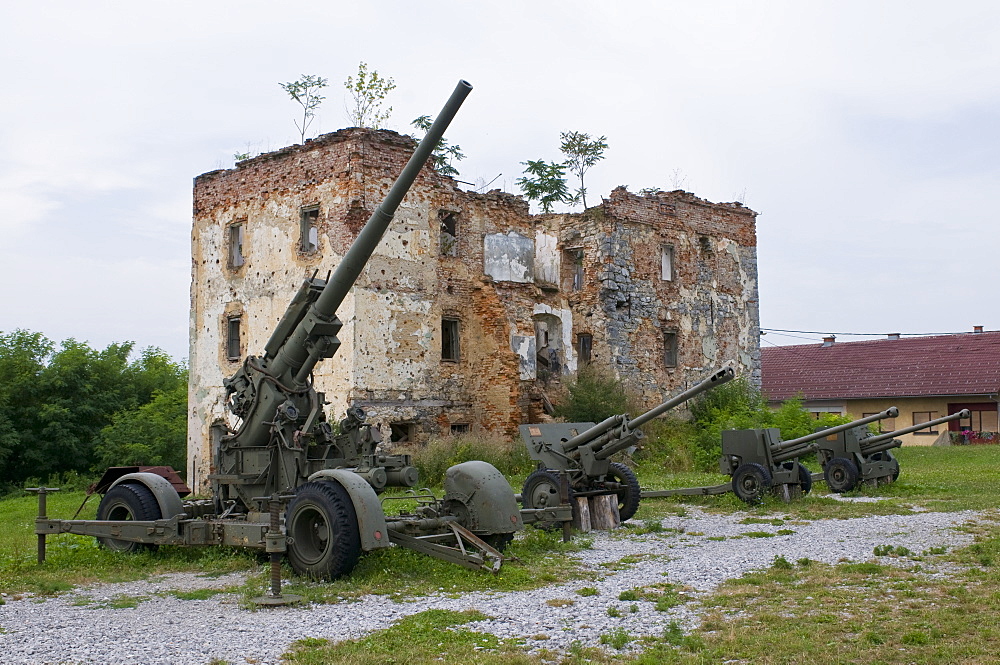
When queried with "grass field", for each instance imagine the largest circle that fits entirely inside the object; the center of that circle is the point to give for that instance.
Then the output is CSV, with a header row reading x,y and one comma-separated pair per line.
x,y
796,611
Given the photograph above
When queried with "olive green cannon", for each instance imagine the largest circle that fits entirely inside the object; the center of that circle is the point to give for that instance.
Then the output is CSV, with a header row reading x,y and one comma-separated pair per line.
x,y
759,461
854,456
283,480
582,451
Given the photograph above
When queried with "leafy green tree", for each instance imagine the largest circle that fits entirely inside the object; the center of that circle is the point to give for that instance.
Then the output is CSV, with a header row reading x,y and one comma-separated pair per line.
x,y
545,183
305,91
581,152
152,434
369,91
444,154
594,394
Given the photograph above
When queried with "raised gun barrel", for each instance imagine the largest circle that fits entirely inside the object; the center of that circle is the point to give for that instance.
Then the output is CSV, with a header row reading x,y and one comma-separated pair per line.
x,y
624,431
871,444
787,446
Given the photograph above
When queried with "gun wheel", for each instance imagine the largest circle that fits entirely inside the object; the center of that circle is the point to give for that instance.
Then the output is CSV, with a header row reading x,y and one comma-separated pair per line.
x,y
841,475
805,479
541,490
124,503
628,495
323,527
750,482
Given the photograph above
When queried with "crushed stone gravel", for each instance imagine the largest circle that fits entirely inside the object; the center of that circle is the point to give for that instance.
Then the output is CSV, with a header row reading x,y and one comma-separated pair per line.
x,y
697,552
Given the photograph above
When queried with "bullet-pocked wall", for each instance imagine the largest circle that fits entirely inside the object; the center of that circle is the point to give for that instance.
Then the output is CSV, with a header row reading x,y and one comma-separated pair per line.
x,y
469,304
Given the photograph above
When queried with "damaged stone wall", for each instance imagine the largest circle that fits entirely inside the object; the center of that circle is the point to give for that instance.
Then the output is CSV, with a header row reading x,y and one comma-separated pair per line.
x,y
469,304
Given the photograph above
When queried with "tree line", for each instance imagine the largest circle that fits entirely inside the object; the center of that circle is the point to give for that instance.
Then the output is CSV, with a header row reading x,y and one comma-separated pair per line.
x,y
70,408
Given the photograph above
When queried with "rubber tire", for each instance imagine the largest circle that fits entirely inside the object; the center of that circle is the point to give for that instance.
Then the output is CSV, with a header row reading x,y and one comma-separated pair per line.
x,y
498,541
128,501
750,482
841,475
628,498
323,527
541,490
805,479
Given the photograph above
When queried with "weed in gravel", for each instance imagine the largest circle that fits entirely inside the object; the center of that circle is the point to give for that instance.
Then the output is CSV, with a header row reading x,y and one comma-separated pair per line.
x,y
617,638
892,550
199,594
762,520
587,591
785,532
613,611
629,594
560,602
758,534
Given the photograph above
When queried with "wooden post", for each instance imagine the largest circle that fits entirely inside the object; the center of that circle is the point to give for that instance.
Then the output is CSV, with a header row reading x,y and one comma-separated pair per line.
x,y
581,516
604,514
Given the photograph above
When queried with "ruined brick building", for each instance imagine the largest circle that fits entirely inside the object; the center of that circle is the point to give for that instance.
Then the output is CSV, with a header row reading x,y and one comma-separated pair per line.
x,y
470,304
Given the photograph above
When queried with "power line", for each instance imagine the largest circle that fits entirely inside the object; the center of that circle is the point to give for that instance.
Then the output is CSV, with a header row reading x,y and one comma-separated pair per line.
x,y
878,334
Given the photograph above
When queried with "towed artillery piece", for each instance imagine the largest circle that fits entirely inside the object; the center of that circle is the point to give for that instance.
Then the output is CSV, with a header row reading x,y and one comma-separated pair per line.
x,y
855,455
283,481
759,461
581,453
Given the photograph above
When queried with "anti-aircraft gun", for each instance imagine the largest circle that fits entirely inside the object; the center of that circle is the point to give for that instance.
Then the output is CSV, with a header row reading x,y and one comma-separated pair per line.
x,y
856,455
582,452
284,460
759,461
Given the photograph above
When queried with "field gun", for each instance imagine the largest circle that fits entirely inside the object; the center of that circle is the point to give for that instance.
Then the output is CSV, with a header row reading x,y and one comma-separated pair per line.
x,y
855,455
283,480
582,451
759,461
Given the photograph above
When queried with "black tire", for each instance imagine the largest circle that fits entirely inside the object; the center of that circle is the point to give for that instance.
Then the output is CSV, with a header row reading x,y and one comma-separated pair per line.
x,y
841,475
541,490
323,527
805,479
750,482
128,502
628,496
498,541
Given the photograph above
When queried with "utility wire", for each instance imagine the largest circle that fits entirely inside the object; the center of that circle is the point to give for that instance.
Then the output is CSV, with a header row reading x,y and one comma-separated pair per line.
x,y
879,334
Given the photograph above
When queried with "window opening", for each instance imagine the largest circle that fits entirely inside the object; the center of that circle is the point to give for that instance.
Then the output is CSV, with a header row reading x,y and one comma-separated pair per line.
x,y
577,269
308,231
460,428
449,232
236,245
667,263
670,348
233,338
884,425
922,417
401,432
449,339
584,346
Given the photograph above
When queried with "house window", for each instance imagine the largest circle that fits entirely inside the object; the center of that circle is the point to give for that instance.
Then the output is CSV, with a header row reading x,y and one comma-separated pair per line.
x,y
576,260
979,420
401,432
584,345
235,245
923,417
449,339
308,231
884,425
449,233
667,263
670,348
459,428
233,338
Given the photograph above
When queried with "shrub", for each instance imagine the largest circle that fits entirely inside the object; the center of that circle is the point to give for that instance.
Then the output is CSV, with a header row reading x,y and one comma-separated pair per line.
x,y
593,395
432,460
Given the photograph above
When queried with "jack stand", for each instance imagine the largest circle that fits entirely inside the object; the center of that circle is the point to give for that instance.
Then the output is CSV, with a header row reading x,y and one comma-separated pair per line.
x,y
42,510
276,545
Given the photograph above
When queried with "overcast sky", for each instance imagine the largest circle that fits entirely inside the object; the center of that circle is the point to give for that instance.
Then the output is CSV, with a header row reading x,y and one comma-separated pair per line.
x,y
864,133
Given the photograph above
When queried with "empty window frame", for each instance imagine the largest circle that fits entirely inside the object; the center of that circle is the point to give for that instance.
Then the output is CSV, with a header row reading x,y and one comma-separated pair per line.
x,y
401,432
233,338
923,417
459,428
576,261
235,232
670,348
584,347
308,231
449,232
449,339
982,417
667,263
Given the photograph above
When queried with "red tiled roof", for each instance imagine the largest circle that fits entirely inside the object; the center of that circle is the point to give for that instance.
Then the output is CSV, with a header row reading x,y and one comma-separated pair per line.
x,y
967,364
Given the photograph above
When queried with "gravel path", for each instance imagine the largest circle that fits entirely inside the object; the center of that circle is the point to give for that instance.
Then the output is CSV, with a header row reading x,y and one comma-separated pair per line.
x,y
79,628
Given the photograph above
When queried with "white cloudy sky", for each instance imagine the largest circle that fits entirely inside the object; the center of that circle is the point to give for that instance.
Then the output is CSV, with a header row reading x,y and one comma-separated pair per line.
x,y
864,133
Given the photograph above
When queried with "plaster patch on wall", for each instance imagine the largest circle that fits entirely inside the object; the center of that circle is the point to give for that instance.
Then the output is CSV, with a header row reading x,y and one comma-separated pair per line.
x,y
524,347
508,257
546,258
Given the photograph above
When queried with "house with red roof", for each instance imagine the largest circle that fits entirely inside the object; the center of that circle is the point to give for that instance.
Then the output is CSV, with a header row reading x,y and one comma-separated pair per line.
x,y
924,377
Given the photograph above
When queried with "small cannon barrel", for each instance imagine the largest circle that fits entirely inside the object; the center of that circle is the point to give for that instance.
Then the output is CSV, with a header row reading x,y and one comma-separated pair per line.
x,y
796,451
891,412
881,446
590,434
717,379
878,438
